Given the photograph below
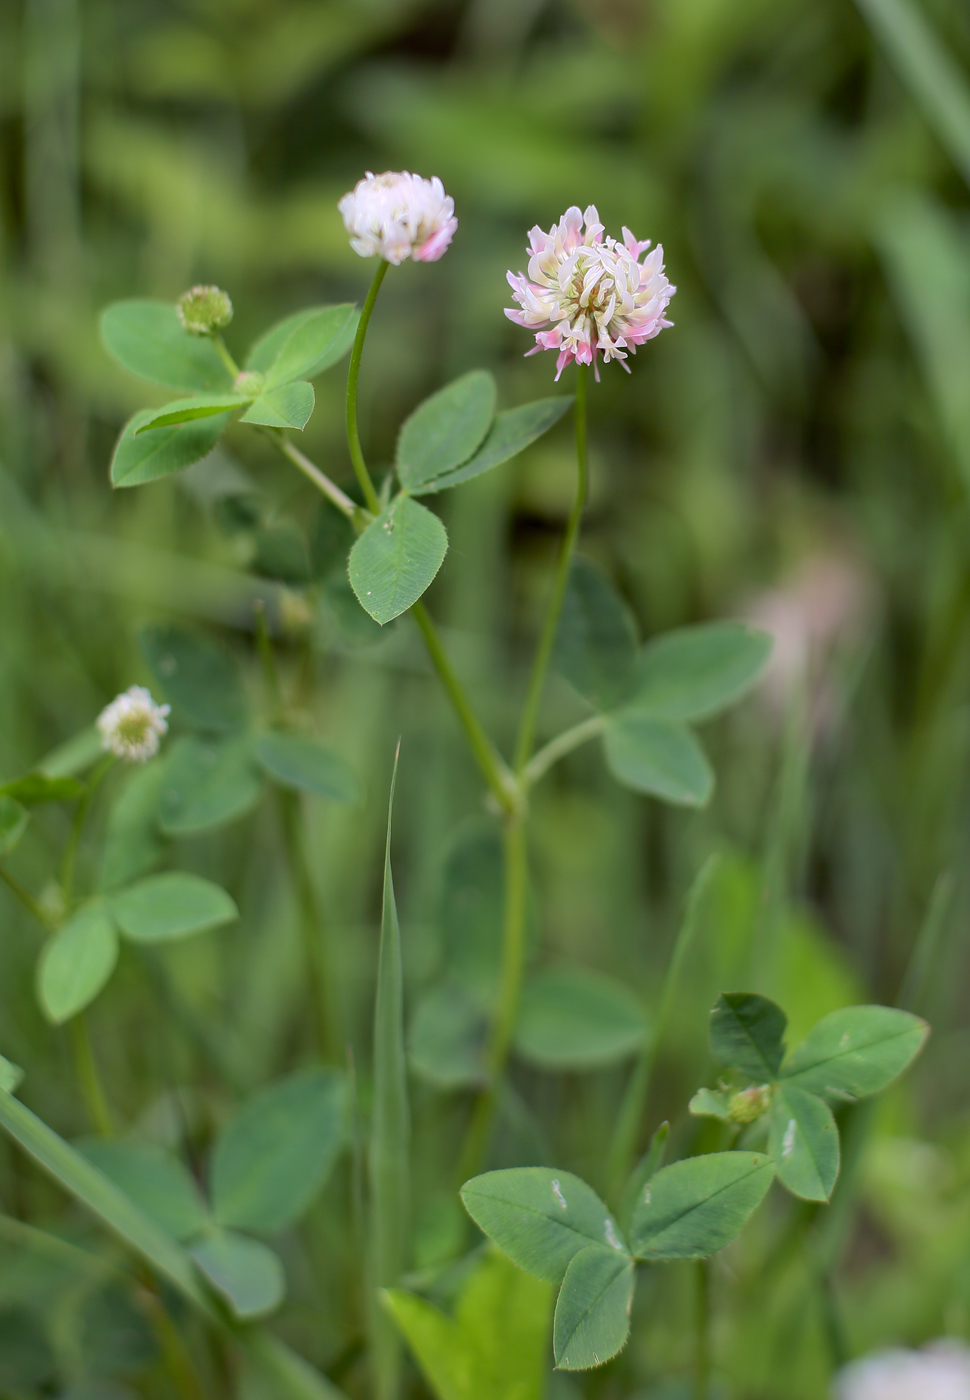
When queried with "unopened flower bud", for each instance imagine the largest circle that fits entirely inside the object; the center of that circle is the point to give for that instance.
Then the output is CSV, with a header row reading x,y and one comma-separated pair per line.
x,y
249,383
748,1105
132,725
204,310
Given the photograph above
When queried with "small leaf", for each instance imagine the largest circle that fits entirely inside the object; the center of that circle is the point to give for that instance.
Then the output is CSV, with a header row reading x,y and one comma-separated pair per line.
x,y
804,1143
662,760
396,558
576,1019
200,677
76,963
445,430
11,1076
190,411
856,1051
593,1309
597,637
304,344
34,789
695,1207
207,784
132,844
172,905
511,433
157,1182
306,766
446,1038
147,338
140,458
246,1273
694,672
287,406
13,823
539,1217
710,1103
747,1032
278,1151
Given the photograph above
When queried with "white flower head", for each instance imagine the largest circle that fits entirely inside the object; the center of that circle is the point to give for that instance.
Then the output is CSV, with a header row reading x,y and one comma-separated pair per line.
x,y
938,1372
132,725
594,292
397,216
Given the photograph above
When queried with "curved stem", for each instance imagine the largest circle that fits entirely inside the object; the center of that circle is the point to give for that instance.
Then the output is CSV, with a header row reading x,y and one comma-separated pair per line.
x,y
557,748
540,665
353,436
510,987
224,354
494,771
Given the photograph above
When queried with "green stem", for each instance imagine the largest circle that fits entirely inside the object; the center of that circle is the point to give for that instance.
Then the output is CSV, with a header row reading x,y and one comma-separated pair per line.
x,y
702,1354
510,987
224,354
90,1080
312,929
540,665
353,435
494,771
557,748
69,858
26,898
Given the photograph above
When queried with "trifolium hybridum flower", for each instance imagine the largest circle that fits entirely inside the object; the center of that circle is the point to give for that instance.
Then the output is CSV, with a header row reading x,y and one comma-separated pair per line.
x,y
204,310
397,216
594,292
938,1372
132,725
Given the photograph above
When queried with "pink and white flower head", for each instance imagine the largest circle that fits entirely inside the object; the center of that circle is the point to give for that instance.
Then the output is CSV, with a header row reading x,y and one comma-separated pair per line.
x,y
593,291
397,216
938,1372
132,725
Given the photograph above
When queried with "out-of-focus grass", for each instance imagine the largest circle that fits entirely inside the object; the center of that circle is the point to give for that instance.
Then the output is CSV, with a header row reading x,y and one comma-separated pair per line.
x,y
798,445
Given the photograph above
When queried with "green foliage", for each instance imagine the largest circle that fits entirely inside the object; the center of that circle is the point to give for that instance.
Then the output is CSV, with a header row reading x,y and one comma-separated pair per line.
x,y
13,823
306,766
804,1143
143,457
162,907
694,672
199,677
304,345
444,431
76,963
747,1032
593,1308
663,760
208,783
396,558
147,339
695,1207
570,1019
190,410
597,637
494,1348
245,1272
278,1151
513,430
155,1181
856,1052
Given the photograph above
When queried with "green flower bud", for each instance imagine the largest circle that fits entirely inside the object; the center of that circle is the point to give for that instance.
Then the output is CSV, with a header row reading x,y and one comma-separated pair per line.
x,y
748,1105
204,310
249,383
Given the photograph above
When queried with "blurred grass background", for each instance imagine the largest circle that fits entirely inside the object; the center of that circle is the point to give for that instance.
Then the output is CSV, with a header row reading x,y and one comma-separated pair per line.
x,y
797,449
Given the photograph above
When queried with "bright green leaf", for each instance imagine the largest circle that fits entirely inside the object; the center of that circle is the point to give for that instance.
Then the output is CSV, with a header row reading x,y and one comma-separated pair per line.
x,y
147,338
190,411
856,1051
245,1272
695,1207
597,637
511,433
163,907
143,457
648,1165
287,406
663,760
76,963
207,784
693,672
445,430
157,1182
200,677
710,1103
34,789
747,1032
446,1038
306,766
13,823
539,1217
804,1143
304,344
396,558
576,1019
593,1308
279,1149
